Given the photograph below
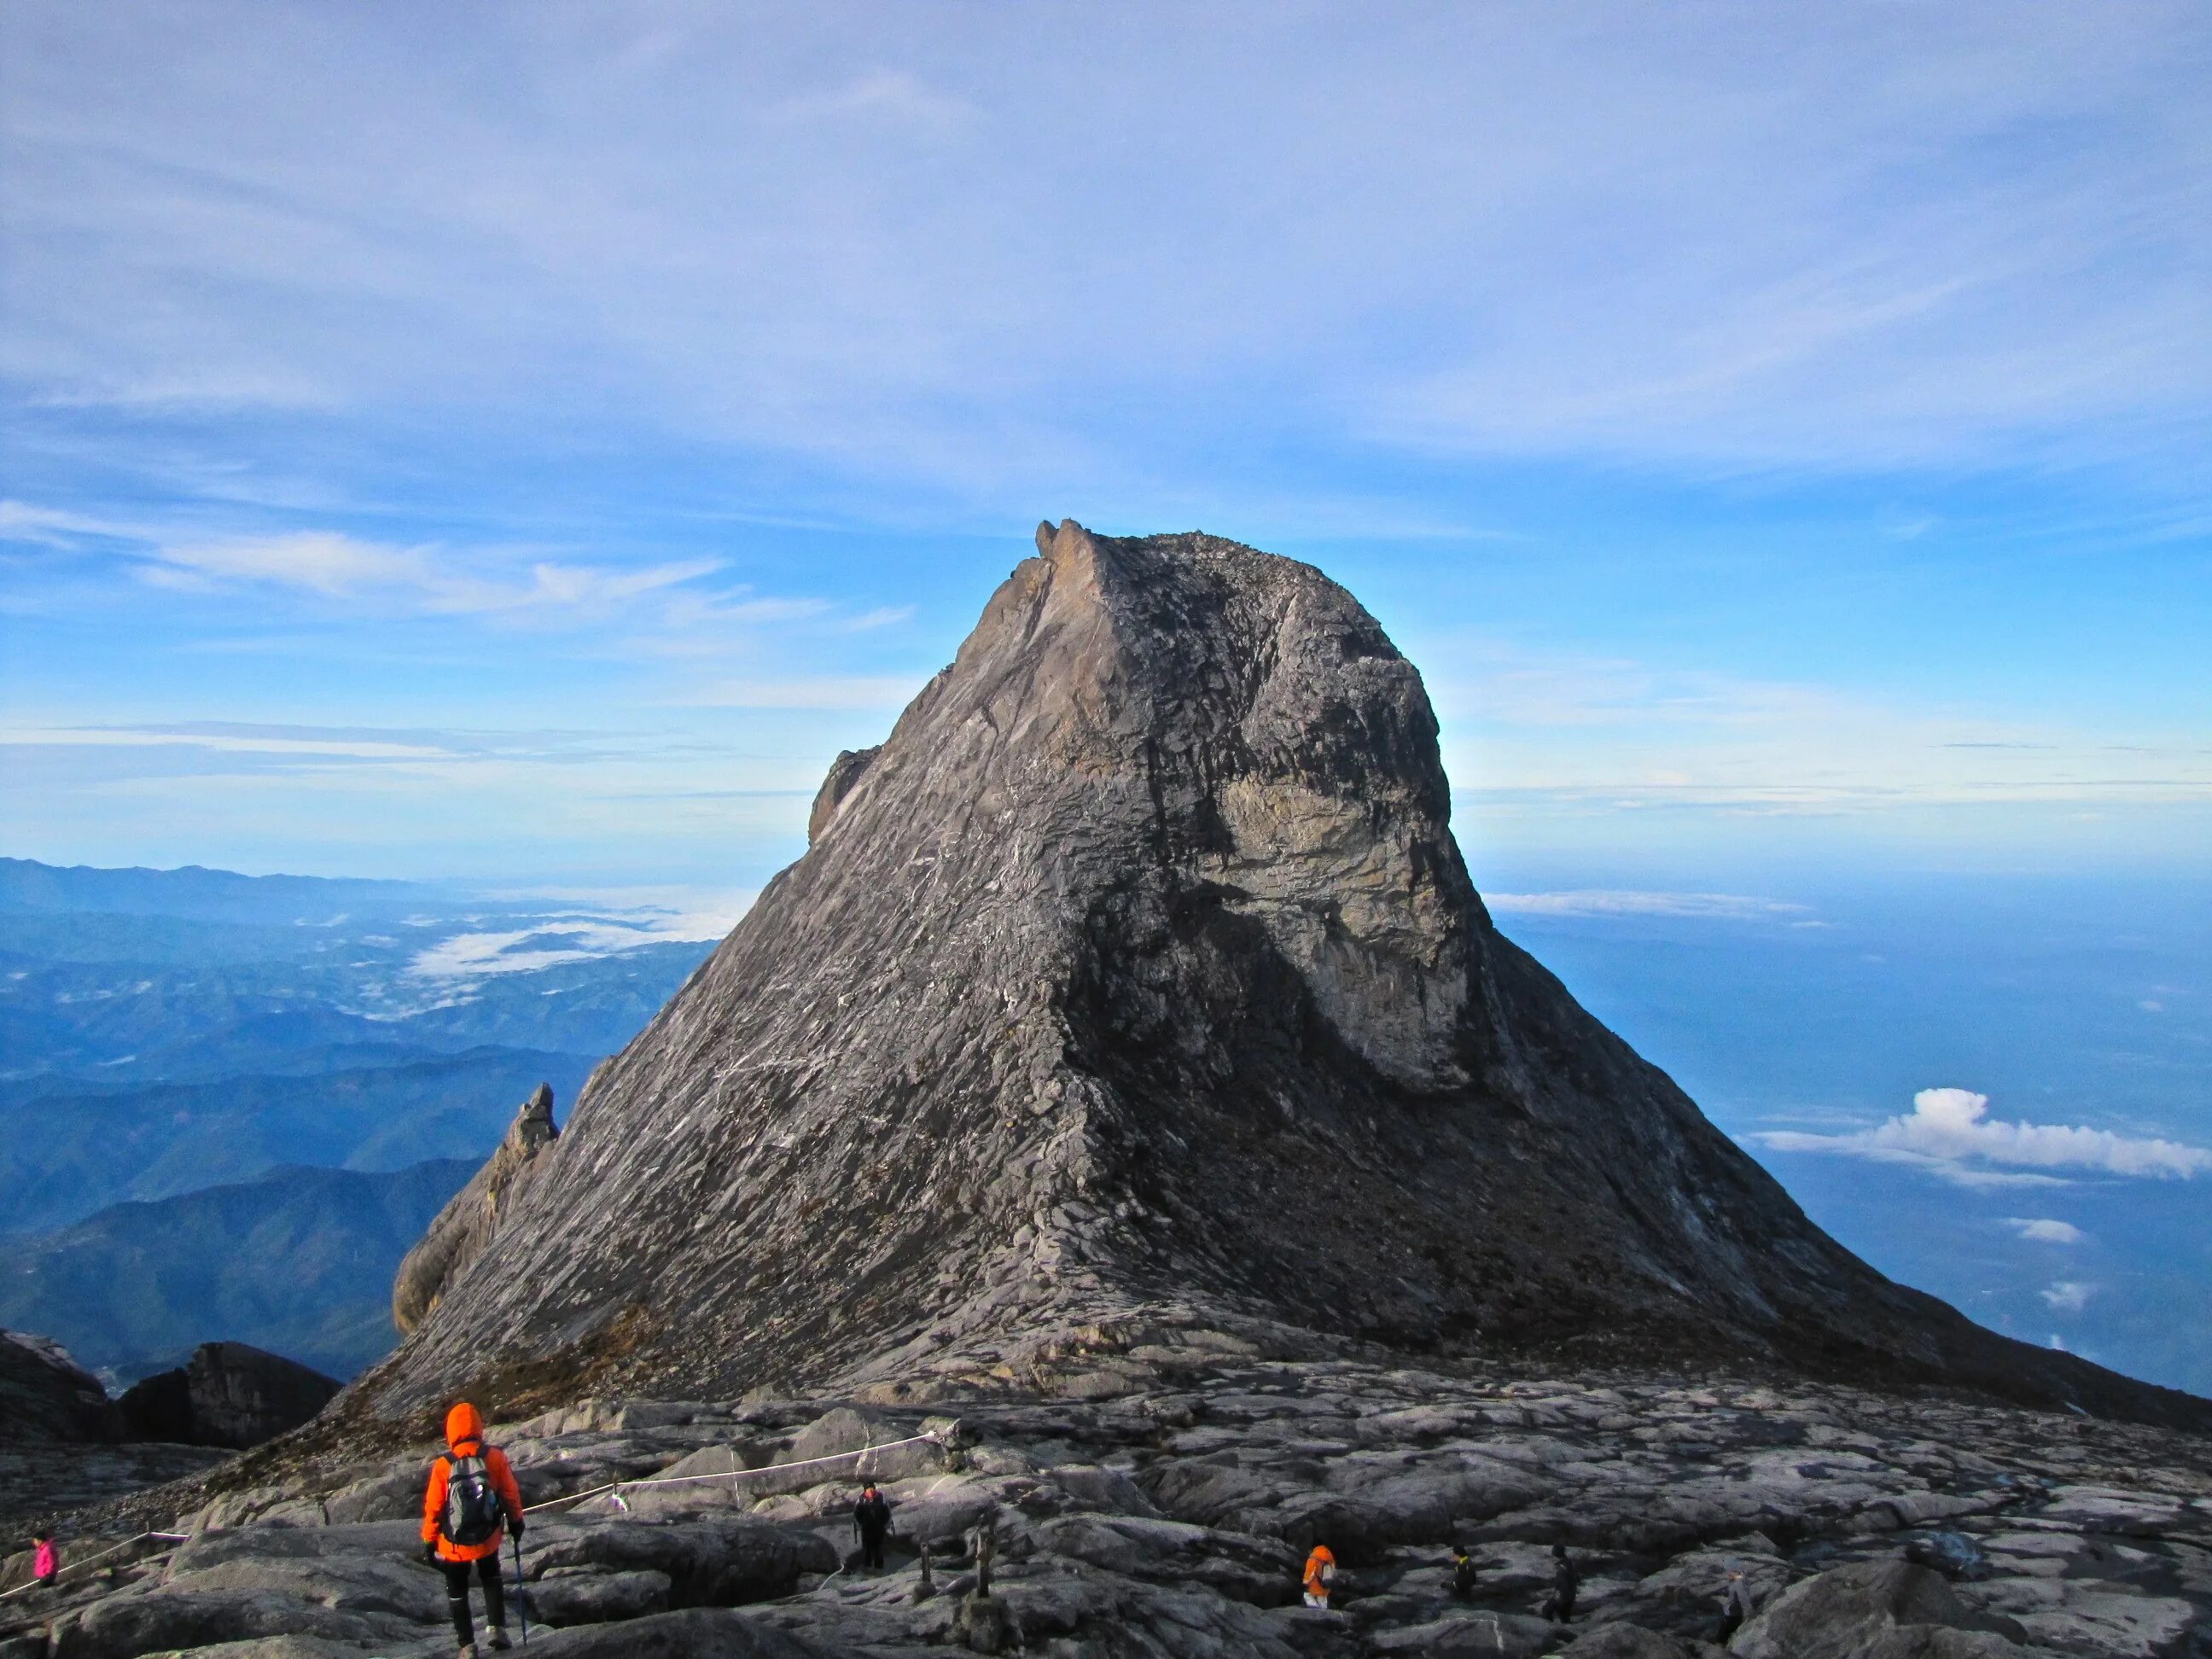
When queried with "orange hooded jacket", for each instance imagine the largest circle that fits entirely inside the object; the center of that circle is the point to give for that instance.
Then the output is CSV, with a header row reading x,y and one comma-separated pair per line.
x,y
1321,1571
465,1435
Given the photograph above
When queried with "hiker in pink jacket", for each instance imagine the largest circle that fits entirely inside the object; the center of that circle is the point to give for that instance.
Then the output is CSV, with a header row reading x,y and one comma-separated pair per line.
x,y
44,1563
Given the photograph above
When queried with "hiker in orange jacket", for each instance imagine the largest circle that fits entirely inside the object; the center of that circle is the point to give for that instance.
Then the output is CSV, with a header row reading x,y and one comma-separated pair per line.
x,y
1320,1576
470,1503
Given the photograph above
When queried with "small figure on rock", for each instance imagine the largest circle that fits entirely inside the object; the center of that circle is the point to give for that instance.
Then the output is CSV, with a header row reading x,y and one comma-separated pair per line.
x,y
1462,1573
872,1521
1560,1606
470,1503
46,1560
1320,1576
1736,1603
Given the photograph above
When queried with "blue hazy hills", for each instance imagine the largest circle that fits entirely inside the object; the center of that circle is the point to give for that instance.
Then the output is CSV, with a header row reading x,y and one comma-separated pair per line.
x,y
231,1102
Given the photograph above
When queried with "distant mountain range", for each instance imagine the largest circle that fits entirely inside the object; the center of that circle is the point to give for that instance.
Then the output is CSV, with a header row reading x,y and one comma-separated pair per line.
x,y
203,895
72,1154
298,1260
169,1038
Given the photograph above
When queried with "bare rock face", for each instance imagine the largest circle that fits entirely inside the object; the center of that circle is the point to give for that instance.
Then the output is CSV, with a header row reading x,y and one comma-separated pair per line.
x,y
46,1395
1131,998
462,1228
229,1394
1175,1523
844,772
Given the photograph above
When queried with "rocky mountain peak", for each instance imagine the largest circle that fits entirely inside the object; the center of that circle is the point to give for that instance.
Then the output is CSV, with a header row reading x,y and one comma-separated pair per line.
x,y
1133,995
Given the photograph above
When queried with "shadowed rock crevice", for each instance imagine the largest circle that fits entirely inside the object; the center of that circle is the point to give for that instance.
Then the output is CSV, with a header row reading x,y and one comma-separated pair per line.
x,y
1134,995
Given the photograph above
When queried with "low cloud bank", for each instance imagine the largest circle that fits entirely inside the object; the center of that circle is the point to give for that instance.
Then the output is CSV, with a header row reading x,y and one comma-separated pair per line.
x,y
574,936
1950,1132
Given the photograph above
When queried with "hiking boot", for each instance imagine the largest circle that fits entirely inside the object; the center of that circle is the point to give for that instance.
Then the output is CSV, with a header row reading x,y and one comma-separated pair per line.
x,y
499,1642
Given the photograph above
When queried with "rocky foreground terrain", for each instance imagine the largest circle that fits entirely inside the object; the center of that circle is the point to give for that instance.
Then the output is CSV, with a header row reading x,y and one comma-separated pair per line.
x,y
1172,1521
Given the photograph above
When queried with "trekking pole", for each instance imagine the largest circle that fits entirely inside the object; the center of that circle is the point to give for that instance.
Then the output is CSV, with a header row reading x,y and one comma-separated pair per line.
x,y
521,1594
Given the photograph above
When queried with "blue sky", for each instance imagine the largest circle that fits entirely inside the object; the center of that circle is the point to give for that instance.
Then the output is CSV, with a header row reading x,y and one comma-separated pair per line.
x,y
525,442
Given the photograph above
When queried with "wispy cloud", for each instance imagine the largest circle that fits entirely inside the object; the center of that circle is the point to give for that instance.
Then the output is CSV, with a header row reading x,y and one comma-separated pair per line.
x,y
869,235
337,743
53,526
333,565
1607,734
2044,1231
2069,1296
1950,1133
811,691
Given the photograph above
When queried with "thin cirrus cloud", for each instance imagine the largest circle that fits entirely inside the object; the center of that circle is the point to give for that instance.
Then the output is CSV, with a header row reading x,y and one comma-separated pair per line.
x,y
1950,1133
329,565
1867,237
2068,1295
1527,729
823,692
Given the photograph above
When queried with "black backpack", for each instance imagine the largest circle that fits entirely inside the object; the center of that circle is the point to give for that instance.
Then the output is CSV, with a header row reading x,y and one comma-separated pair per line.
x,y
472,1508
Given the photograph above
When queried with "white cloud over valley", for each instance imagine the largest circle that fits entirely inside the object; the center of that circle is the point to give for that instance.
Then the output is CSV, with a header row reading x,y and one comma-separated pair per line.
x,y
1950,1132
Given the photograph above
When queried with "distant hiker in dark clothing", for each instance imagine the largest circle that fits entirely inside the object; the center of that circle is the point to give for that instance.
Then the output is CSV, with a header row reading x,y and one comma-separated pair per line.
x,y
46,1562
1565,1581
1735,1604
871,1522
467,1508
1462,1573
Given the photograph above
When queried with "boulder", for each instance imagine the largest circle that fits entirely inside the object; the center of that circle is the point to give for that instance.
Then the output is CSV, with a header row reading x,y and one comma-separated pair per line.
x,y
1625,1642
391,1584
595,1598
159,1621
277,1647
46,1395
1474,1635
711,1561
843,1429
847,1430
385,1540
1876,1610
229,1394
690,1633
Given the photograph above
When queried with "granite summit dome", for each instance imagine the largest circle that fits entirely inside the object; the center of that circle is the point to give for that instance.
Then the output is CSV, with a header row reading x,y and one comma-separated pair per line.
x,y
1132,995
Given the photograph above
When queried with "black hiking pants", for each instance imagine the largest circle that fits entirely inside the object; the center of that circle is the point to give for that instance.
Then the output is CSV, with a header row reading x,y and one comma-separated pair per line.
x,y
871,1549
457,1595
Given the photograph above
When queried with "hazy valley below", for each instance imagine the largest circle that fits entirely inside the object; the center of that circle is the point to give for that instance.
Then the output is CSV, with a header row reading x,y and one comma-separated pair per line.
x,y
233,1102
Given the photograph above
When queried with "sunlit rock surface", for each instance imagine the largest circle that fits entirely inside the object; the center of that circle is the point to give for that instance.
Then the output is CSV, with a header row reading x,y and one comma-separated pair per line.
x,y
1133,992
1172,1520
